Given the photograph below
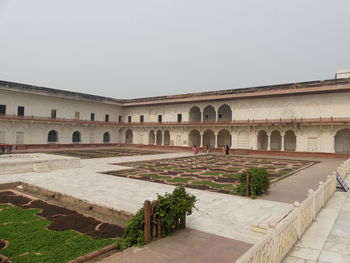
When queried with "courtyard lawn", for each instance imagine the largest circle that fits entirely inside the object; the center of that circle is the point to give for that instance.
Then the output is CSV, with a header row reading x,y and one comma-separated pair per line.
x,y
216,173
30,240
103,153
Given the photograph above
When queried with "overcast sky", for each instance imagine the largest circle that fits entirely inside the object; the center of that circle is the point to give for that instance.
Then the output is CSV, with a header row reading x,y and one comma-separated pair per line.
x,y
131,49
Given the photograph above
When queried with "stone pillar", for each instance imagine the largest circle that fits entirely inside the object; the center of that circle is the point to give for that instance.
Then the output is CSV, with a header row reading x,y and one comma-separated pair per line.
x,y
268,142
217,115
282,141
201,144
202,116
162,139
216,140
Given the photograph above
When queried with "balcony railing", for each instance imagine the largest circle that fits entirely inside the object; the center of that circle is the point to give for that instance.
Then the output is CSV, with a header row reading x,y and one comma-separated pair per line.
x,y
248,122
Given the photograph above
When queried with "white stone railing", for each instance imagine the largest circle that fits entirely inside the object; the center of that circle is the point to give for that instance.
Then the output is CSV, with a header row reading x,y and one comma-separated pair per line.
x,y
282,236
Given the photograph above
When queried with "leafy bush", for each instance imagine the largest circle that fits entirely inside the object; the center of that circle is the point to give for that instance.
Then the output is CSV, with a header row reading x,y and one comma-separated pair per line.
x,y
171,207
259,182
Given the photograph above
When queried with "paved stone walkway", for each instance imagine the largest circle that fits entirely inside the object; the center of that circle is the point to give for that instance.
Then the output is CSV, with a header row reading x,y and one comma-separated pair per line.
x,y
221,214
328,239
296,186
185,246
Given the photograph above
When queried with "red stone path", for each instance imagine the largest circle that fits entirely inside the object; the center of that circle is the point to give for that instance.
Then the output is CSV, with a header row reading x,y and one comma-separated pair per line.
x,y
184,246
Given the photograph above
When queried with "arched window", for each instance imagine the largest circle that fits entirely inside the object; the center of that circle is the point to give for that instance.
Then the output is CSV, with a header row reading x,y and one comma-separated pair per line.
x,y
106,137
52,136
195,114
76,137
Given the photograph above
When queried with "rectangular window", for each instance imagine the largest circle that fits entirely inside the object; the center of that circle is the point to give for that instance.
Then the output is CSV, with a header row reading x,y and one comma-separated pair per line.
x,y
160,117
77,115
179,117
129,119
141,118
107,118
2,109
20,111
53,114
120,119
92,116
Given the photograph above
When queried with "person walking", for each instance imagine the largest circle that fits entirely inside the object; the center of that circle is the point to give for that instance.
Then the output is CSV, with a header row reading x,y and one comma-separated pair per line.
x,y
227,150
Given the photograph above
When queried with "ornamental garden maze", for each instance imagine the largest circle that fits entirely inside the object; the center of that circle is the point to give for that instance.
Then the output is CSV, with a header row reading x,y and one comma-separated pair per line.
x,y
299,117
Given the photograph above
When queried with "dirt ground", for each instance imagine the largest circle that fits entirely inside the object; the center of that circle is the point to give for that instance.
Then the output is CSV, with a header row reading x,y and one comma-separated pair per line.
x,y
62,218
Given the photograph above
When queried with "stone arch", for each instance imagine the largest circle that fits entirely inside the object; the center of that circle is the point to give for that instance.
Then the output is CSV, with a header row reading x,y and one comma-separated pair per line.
x,y
194,138
159,137
290,141
106,137
129,136
151,138
195,114
76,138
225,113
52,136
166,137
209,138
209,113
262,140
275,140
243,140
224,138
342,141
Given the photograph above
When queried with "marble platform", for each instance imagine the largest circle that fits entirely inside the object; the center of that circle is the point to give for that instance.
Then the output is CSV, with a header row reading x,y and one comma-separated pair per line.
x,y
38,162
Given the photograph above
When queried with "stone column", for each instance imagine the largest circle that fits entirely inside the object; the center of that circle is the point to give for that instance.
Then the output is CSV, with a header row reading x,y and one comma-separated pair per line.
x,y
202,116
282,146
162,139
216,140
268,142
201,143
217,115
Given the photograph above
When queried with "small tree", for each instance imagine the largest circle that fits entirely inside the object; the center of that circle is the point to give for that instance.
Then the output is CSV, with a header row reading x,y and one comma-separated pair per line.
x,y
259,182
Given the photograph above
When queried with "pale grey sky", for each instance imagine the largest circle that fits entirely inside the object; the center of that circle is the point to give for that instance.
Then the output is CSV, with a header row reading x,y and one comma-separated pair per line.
x,y
130,49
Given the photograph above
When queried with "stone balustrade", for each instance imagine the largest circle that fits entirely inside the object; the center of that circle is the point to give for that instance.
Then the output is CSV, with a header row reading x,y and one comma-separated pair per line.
x,y
283,235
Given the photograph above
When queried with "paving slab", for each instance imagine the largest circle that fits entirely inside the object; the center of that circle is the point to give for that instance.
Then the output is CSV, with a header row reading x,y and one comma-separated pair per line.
x,y
185,246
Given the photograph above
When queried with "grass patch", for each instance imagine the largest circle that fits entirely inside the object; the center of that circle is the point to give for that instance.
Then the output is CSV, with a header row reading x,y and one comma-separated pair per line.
x,y
179,180
154,176
210,183
212,173
30,241
186,170
236,176
282,173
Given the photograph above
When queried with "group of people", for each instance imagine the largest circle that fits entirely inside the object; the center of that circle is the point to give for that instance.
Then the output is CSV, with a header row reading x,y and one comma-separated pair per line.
x,y
5,149
225,149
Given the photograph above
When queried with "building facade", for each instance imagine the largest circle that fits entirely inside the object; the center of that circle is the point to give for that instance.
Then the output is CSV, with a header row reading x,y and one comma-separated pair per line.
x,y
303,117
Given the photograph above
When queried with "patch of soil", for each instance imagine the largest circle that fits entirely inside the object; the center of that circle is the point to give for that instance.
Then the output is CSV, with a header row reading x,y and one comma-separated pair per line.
x,y
12,198
199,186
63,218
2,244
226,180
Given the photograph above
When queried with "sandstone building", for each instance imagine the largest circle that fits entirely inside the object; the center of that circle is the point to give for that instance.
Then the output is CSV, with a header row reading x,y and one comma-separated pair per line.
x,y
304,117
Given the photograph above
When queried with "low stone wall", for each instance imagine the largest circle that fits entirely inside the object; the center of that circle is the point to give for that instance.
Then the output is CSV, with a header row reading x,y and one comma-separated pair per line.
x,y
105,214
24,163
282,236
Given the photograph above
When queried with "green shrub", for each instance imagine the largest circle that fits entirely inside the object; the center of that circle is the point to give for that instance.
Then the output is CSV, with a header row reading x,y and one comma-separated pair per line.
x,y
171,207
259,182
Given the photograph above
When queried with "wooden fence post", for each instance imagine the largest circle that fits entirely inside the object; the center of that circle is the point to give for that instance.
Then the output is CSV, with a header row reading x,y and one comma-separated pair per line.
x,y
147,218
247,185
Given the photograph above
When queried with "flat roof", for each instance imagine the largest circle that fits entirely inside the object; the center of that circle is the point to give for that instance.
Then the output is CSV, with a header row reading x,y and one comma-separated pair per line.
x,y
300,88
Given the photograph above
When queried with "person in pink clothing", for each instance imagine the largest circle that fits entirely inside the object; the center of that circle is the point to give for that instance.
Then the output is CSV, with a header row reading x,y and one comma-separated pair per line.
x,y
195,149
